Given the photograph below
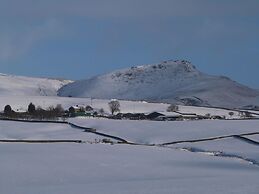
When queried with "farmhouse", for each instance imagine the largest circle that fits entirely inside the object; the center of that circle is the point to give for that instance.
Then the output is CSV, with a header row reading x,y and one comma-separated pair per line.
x,y
80,110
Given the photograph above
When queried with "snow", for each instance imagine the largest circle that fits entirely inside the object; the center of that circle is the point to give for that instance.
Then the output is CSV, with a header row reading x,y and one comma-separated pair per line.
x,y
41,131
151,132
231,147
212,111
28,86
66,169
255,137
169,81
175,80
95,167
229,165
22,102
92,167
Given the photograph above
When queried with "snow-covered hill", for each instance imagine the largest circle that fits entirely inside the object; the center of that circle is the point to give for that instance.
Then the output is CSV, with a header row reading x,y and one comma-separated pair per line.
x,y
170,82
11,85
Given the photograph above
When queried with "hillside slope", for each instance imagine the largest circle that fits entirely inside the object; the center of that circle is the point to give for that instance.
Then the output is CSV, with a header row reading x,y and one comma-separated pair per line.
x,y
11,85
169,81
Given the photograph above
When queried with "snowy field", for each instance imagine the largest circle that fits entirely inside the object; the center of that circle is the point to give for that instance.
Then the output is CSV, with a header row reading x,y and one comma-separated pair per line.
x,y
119,169
255,137
37,131
160,132
129,169
21,103
230,147
228,165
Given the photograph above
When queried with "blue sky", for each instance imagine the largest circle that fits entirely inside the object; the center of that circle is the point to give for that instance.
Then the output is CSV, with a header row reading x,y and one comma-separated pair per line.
x,y
78,39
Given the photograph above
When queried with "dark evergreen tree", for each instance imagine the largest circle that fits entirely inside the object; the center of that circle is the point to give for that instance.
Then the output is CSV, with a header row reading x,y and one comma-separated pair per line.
x,y
31,108
8,110
72,111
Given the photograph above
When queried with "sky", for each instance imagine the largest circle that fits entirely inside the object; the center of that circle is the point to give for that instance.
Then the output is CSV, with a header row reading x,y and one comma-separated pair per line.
x,y
77,39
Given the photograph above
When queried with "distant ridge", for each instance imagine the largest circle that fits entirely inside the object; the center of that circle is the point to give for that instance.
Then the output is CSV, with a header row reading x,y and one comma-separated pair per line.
x,y
29,86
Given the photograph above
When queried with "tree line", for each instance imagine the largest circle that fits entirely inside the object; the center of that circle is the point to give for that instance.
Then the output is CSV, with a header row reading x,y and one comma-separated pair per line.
x,y
34,112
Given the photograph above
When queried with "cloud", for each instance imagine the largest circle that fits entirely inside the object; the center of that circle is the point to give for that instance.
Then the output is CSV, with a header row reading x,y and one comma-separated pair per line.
x,y
135,29
127,9
18,40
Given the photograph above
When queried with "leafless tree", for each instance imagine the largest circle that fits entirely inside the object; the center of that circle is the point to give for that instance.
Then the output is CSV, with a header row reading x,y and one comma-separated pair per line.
x,y
172,108
114,106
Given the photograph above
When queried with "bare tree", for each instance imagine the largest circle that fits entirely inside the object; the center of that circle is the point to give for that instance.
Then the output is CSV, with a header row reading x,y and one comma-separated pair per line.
x,y
114,106
101,111
245,114
172,108
59,110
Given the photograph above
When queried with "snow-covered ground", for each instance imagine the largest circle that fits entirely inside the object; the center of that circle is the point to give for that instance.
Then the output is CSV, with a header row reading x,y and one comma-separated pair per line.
x,y
12,85
160,132
124,169
207,110
255,138
40,164
119,169
229,165
230,147
41,131
21,103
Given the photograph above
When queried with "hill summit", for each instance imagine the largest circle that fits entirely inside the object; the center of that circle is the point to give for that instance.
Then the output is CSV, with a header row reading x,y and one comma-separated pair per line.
x,y
169,81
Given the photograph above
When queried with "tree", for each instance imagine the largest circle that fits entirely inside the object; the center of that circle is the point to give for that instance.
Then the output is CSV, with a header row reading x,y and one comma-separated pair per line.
x,y
51,108
208,115
31,108
245,114
248,115
59,110
101,111
172,108
40,112
72,111
39,108
8,110
114,106
231,114
88,108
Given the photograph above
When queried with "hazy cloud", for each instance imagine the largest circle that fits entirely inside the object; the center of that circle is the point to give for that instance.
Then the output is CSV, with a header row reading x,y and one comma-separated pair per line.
x,y
217,35
17,40
127,9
